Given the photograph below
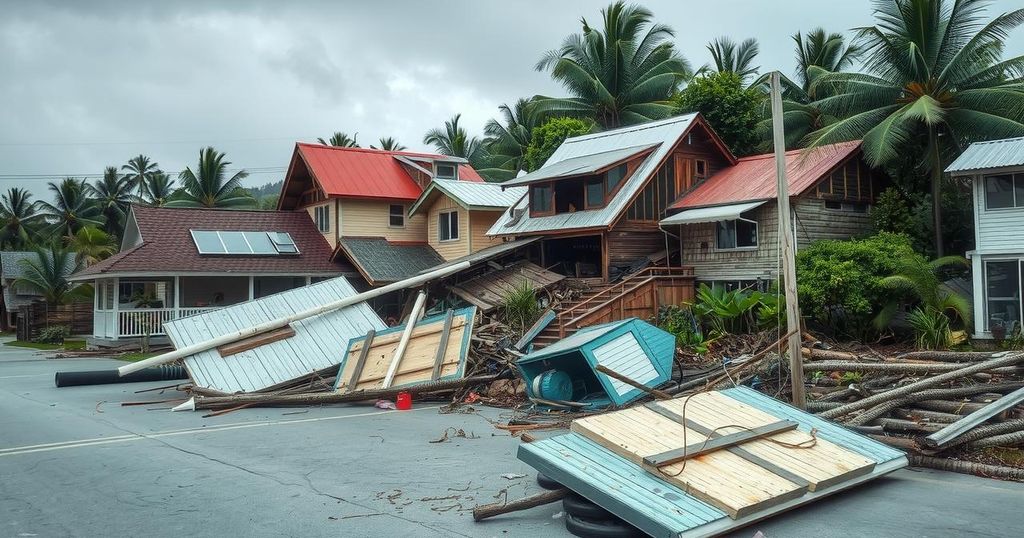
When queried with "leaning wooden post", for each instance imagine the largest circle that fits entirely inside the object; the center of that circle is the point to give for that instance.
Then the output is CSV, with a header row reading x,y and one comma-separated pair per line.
x,y
796,365
403,344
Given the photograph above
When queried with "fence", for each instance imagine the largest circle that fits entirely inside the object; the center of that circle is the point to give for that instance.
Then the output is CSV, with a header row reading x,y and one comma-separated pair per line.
x,y
36,316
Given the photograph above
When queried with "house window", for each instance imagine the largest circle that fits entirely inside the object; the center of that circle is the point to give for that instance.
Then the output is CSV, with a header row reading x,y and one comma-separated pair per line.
x,y
733,234
448,226
1004,191
615,176
700,169
852,207
444,171
1002,293
396,216
541,199
595,193
322,217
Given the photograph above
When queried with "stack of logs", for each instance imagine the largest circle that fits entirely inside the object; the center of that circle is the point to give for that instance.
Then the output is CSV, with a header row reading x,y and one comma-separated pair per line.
x,y
948,410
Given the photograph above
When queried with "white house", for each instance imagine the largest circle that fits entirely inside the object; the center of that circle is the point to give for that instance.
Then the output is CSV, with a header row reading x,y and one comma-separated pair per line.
x,y
996,172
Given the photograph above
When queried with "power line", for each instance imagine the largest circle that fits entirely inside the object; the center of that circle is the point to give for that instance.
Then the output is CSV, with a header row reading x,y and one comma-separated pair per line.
x,y
150,143
250,171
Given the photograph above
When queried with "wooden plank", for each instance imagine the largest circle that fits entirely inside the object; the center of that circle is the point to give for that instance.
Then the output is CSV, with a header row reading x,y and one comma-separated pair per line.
x,y
718,442
256,341
361,362
536,329
442,347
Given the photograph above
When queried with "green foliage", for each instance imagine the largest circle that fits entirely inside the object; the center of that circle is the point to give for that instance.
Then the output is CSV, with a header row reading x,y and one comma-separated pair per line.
x,y
91,245
208,185
931,328
911,215
839,282
388,144
54,334
71,208
341,140
140,171
111,195
1014,339
549,135
891,213
19,219
850,377
521,308
453,140
508,138
48,275
734,312
680,321
732,109
728,56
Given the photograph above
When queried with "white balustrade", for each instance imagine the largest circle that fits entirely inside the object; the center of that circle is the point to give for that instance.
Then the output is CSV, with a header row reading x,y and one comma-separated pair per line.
x,y
143,321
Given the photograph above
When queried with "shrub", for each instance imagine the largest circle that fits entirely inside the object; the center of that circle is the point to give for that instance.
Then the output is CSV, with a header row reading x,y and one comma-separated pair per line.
x,y
521,308
546,138
931,328
731,108
54,334
839,282
727,312
680,321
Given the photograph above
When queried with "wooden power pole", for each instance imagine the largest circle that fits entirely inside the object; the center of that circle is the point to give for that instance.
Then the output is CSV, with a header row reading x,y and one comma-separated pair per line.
x,y
796,365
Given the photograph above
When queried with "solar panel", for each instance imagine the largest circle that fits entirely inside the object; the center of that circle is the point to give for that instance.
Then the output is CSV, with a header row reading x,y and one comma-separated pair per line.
x,y
244,243
208,242
283,242
260,243
235,243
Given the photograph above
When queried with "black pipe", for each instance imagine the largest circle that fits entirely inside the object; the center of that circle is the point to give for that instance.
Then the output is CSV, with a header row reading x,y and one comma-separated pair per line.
x,y
164,372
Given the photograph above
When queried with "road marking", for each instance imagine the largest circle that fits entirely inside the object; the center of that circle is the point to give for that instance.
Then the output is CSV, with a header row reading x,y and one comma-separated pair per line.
x,y
47,447
26,375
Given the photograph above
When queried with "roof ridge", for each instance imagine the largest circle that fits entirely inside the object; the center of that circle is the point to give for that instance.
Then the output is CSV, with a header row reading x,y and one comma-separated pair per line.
x,y
796,150
631,128
374,150
998,140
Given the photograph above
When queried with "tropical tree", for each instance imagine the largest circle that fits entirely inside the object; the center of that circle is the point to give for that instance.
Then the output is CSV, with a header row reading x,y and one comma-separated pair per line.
x,y
140,171
112,195
90,245
71,208
730,57
453,141
47,274
508,138
935,81
622,74
937,309
340,139
208,186
732,108
159,190
389,144
548,136
19,218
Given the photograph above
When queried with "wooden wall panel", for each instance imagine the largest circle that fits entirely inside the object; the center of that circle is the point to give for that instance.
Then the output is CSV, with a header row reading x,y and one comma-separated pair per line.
x,y
448,250
369,218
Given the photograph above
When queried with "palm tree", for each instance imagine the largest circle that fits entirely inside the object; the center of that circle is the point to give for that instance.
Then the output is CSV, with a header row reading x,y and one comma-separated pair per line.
x,y
159,189
48,274
71,208
935,79
112,195
90,245
621,75
389,144
733,58
507,139
820,51
937,307
19,217
140,171
341,140
207,186
454,141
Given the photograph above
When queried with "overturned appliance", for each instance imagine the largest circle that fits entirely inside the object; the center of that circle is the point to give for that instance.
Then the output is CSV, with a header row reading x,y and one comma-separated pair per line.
x,y
566,371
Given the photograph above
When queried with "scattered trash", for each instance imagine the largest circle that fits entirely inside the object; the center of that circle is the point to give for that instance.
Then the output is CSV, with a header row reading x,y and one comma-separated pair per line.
x,y
454,432
385,404
512,476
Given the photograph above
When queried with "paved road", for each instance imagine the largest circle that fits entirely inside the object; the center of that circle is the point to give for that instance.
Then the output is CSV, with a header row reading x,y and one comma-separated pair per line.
x,y
73,462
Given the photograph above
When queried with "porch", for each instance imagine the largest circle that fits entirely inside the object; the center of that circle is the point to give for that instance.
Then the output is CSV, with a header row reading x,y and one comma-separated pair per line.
x,y
127,308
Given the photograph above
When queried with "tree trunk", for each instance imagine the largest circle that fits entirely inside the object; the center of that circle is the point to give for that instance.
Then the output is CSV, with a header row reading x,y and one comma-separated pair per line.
x,y
936,168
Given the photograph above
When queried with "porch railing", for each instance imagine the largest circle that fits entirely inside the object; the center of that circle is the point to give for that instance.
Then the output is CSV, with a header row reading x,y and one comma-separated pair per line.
x,y
142,321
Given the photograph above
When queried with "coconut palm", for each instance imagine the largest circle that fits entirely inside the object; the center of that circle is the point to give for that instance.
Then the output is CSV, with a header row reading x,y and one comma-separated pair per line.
x,y
341,140
622,74
47,274
71,208
18,217
90,245
207,186
935,78
389,144
507,138
820,51
112,195
140,171
159,190
728,56
454,141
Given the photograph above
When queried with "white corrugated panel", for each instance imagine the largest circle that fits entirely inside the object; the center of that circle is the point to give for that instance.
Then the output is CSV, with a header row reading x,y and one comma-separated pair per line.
x,y
991,154
624,355
319,341
477,194
710,214
576,166
664,132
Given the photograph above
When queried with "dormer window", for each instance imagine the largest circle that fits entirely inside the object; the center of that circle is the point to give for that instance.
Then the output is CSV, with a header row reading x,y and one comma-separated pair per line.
x,y
541,202
445,171
615,176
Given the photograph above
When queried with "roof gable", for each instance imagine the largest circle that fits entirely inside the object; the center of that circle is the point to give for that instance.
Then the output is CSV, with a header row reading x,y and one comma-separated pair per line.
x,y
468,195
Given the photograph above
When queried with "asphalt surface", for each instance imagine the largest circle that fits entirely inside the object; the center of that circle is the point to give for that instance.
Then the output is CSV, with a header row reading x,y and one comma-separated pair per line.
x,y
74,462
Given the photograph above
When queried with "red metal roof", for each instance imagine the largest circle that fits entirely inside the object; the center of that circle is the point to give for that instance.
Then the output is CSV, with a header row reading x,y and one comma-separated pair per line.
x,y
753,178
367,173
167,245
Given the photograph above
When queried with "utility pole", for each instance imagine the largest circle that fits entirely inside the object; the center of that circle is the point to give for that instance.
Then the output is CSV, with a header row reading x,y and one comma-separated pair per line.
x,y
796,364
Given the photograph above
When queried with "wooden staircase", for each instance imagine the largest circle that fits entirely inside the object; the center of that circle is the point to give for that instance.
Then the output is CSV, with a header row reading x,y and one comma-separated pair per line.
x,y
639,295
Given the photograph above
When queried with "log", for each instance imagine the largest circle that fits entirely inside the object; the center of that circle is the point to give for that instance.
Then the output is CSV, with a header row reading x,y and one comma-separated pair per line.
x,y
897,425
883,408
938,417
947,406
967,467
988,430
904,367
958,428
901,443
1003,360
828,354
485,511
1006,439
947,356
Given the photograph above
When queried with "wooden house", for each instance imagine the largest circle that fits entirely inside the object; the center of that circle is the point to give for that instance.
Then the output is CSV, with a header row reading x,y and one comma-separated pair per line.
x,y
995,170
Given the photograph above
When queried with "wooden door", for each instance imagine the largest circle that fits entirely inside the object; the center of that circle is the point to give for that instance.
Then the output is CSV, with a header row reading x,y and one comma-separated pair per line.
x,y
683,173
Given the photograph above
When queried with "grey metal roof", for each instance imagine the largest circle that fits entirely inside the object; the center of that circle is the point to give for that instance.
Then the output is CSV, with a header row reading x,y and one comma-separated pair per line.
x,y
580,338
382,261
664,132
319,341
577,166
485,254
469,194
10,263
11,268
990,154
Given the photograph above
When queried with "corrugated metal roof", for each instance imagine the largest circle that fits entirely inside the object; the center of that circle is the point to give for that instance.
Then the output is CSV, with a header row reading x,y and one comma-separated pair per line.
x,y
380,261
753,178
990,154
664,132
716,213
577,166
485,254
579,338
318,343
471,195
10,263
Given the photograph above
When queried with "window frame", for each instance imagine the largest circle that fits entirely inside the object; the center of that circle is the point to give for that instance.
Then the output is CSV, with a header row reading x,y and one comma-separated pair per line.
x,y
392,215
604,193
987,318
322,218
697,175
551,200
454,167
453,232
757,238
1014,202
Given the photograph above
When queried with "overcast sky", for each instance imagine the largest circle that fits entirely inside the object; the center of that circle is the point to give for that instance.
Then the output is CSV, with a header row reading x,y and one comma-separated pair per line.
x,y
89,84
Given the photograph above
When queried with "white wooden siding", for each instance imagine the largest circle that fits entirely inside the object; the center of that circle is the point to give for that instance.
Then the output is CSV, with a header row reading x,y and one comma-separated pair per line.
x,y
625,356
997,230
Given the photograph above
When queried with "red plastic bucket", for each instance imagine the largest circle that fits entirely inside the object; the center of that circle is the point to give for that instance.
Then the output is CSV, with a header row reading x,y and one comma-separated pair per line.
x,y
404,401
